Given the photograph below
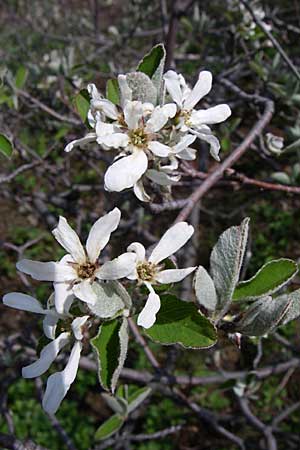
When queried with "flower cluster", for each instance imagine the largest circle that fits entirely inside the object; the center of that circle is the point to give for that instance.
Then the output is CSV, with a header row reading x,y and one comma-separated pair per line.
x,y
150,136
75,303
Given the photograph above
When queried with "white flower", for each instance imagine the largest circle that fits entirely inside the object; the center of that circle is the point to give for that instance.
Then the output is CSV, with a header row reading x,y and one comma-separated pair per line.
x,y
59,383
137,135
190,119
76,271
150,271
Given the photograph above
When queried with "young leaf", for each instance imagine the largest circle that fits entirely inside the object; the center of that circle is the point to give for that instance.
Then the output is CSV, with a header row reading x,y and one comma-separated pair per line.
x,y
21,77
142,87
112,91
179,322
6,147
226,261
112,298
118,405
82,103
293,312
270,278
110,346
205,289
263,316
109,427
152,60
137,398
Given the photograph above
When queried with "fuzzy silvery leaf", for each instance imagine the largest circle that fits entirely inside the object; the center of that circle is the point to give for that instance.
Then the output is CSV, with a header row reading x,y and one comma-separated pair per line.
x,y
226,262
293,312
153,65
179,322
142,87
109,427
137,398
117,404
110,346
269,279
205,289
263,316
112,298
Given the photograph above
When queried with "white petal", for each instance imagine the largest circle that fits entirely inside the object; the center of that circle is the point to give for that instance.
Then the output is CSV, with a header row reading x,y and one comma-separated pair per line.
x,y
213,143
84,292
184,143
216,114
63,297
160,117
201,88
90,137
133,113
77,325
125,91
170,167
173,275
117,268
125,172
173,239
68,239
114,140
59,383
147,316
104,129
189,154
46,271
159,177
107,107
139,191
93,92
172,83
24,302
47,356
138,249
50,324
100,232
159,149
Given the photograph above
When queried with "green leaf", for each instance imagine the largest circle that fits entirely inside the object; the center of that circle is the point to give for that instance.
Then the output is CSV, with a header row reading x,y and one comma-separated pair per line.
x,y
110,346
82,103
142,87
151,61
112,91
179,322
21,77
109,427
137,398
6,147
293,312
205,289
226,261
112,298
270,278
117,404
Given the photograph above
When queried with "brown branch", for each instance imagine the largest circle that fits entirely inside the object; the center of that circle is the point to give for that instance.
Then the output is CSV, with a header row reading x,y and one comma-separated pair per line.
x,y
12,443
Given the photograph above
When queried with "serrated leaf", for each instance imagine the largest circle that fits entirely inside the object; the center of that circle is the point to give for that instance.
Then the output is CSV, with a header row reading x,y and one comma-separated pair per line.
x,y
82,104
269,279
117,404
21,77
6,147
226,261
109,427
179,322
142,87
112,298
205,289
112,91
137,398
110,346
263,316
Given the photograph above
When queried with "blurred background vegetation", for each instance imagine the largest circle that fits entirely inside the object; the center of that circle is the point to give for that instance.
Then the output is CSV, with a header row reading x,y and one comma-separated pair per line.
x,y
50,49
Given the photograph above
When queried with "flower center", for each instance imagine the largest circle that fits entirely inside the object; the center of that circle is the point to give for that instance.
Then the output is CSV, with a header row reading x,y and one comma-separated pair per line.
x,y
146,271
86,270
138,137
186,117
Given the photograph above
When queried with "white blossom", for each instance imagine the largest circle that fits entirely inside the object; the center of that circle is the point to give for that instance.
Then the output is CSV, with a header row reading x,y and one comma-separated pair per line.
x,y
76,271
150,271
190,119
